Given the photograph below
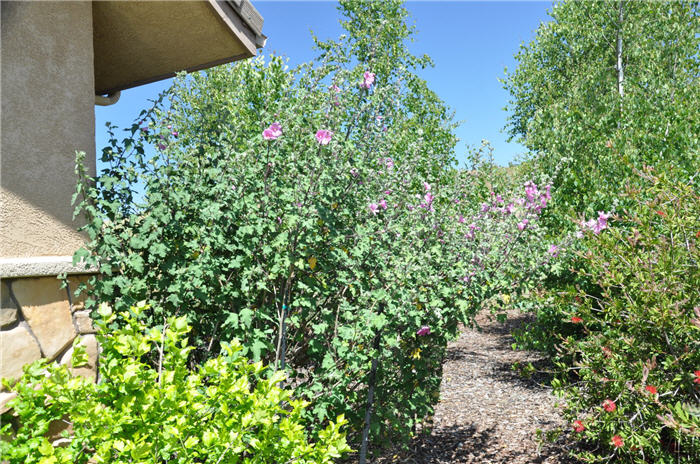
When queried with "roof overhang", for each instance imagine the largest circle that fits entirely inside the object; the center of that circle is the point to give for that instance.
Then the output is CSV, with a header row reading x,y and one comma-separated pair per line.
x,y
140,42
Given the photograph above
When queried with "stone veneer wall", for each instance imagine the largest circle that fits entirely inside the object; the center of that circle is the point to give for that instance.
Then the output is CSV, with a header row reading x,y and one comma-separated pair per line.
x,y
39,319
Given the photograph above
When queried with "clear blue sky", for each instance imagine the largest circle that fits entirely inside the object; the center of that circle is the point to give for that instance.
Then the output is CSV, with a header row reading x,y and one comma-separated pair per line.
x,y
470,42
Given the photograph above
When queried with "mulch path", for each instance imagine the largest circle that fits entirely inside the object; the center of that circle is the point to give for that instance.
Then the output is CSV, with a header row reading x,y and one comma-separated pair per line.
x,y
488,413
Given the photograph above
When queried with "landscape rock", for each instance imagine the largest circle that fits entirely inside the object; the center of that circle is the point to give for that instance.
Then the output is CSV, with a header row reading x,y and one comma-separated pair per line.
x,y
6,397
17,348
45,307
8,310
83,322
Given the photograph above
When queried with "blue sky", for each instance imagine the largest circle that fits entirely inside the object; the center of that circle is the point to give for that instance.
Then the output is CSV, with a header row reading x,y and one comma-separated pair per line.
x,y
470,42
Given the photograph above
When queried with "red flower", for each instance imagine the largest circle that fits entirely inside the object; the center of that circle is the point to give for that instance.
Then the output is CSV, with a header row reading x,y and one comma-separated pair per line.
x,y
661,213
578,426
697,377
617,441
576,320
651,389
607,351
609,405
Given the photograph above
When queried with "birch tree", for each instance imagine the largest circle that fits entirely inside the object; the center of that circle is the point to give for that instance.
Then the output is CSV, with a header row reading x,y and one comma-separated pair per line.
x,y
606,87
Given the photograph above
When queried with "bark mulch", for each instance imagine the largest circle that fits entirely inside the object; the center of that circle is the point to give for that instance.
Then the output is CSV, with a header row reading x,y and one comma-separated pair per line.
x,y
489,413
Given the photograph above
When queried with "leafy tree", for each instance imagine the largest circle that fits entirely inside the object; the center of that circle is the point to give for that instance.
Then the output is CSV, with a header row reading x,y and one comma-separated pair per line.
x,y
604,88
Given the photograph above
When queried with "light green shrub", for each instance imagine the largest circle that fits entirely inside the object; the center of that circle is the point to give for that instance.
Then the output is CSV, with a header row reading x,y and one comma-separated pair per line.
x,y
150,407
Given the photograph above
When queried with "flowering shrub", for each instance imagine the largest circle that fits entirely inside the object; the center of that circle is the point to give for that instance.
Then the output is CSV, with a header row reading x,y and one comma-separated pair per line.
x,y
225,411
628,371
314,214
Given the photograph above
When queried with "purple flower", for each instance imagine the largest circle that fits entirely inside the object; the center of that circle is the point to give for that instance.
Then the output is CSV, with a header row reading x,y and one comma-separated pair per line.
x,y
161,146
373,207
510,208
324,136
410,207
354,172
383,204
423,331
522,225
389,163
367,80
553,250
461,219
484,207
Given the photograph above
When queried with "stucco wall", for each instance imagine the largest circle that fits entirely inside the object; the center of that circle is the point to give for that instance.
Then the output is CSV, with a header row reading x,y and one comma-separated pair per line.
x,y
47,114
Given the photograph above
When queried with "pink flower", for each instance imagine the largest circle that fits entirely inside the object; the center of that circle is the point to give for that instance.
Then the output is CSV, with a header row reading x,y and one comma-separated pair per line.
x,y
609,405
368,80
428,202
387,192
510,208
484,207
602,222
354,172
423,331
426,186
522,224
389,163
334,88
578,426
461,219
175,133
324,136
697,377
617,441
273,131
373,207
553,250
383,204
531,190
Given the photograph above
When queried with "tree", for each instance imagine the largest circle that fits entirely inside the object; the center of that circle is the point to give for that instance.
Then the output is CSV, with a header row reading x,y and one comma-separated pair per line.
x,y
603,88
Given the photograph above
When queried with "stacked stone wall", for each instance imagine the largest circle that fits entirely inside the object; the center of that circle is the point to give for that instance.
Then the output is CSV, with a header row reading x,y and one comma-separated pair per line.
x,y
39,319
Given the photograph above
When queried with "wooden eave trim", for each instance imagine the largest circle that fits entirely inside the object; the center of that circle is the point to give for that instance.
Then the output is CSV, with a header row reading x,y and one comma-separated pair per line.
x,y
200,67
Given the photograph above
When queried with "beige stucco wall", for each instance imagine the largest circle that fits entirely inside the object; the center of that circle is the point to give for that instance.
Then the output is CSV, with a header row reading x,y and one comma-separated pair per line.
x,y
47,114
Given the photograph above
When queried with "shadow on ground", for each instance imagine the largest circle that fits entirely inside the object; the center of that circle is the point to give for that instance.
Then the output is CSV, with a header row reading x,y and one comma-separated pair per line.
x,y
464,445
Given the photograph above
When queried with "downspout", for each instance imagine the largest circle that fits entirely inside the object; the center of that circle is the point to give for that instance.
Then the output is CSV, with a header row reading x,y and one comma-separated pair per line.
x,y
109,99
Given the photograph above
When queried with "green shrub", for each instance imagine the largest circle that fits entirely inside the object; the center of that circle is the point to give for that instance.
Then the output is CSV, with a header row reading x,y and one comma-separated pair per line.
x,y
630,371
225,411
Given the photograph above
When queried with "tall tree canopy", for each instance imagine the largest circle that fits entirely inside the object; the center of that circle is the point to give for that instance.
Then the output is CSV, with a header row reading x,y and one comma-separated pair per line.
x,y
606,87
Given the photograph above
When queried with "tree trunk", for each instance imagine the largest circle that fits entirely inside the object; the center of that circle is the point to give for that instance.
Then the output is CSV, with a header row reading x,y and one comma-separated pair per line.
x,y
619,67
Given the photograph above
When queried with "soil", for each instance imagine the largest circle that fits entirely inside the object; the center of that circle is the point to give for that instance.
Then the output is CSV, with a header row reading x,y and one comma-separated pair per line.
x,y
488,412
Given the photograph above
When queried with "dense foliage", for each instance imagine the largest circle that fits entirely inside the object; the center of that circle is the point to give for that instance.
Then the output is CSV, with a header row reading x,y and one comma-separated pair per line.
x,y
631,372
316,215
227,410
604,88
